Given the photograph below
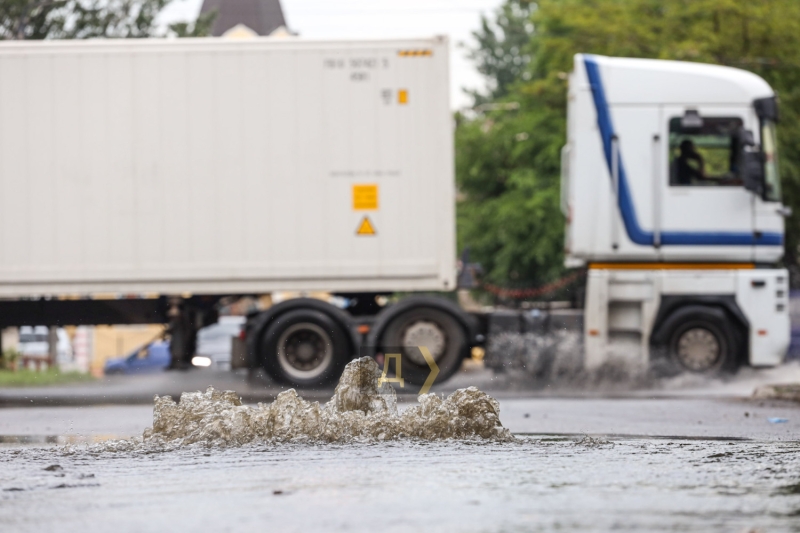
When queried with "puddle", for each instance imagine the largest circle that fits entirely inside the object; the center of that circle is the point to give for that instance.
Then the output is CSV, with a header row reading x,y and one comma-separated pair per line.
x,y
32,439
790,489
55,439
628,436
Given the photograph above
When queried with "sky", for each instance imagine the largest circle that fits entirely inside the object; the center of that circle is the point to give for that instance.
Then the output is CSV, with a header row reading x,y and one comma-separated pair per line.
x,y
357,19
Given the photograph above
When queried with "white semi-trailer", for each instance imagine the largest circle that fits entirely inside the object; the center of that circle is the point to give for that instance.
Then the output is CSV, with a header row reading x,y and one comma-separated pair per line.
x,y
146,181
183,171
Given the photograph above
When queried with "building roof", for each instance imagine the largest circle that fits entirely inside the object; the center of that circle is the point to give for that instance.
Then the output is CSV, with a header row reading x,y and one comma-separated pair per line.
x,y
262,16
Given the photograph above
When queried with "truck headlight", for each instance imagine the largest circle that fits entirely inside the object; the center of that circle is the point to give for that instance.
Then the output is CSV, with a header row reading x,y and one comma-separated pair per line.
x,y
199,360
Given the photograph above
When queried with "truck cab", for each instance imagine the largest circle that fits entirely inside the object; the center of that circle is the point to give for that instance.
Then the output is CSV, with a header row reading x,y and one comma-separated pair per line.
x,y
671,193
670,161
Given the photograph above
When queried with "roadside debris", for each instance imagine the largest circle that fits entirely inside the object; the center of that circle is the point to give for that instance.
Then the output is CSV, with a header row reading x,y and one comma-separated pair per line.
x,y
787,391
777,420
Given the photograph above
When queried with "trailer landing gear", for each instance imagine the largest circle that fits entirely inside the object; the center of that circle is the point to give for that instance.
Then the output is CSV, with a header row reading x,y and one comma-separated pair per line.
x,y
186,317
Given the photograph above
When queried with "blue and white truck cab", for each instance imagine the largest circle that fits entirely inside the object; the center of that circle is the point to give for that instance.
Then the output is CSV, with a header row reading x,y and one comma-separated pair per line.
x,y
671,192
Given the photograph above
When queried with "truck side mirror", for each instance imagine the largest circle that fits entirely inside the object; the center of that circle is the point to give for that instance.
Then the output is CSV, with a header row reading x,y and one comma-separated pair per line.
x,y
752,163
746,138
753,172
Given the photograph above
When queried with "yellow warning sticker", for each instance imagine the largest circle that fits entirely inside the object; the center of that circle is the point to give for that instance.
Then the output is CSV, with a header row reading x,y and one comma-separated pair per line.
x,y
402,96
365,197
366,227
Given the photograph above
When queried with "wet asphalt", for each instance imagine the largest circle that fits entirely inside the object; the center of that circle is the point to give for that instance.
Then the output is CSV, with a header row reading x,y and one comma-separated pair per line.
x,y
684,455
122,405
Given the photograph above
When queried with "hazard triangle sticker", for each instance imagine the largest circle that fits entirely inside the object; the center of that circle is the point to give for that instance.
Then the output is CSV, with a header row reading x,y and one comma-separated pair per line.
x,y
366,227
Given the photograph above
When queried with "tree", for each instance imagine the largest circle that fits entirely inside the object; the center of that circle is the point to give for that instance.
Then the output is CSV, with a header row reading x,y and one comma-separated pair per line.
x,y
86,19
501,51
507,167
201,27
508,160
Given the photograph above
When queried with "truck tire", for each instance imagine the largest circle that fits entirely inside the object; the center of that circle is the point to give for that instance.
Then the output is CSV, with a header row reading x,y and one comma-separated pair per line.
x,y
436,329
701,340
305,348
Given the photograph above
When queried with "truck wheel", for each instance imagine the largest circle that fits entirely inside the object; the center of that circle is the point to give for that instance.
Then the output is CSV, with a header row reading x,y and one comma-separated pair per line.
x,y
305,348
702,340
438,331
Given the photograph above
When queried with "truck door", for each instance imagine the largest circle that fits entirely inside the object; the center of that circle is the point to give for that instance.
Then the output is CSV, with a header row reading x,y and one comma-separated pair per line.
x,y
637,128
706,213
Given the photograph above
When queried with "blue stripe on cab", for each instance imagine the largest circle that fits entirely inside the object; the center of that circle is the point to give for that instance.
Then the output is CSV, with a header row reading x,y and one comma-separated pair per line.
x,y
626,207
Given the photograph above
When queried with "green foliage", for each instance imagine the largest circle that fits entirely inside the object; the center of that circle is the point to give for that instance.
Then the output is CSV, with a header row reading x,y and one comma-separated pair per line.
x,y
86,19
75,19
501,51
509,180
9,358
33,378
507,161
23,19
201,27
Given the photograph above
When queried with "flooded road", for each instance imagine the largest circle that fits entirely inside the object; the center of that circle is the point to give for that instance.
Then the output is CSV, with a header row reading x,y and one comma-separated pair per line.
x,y
536,483
210,463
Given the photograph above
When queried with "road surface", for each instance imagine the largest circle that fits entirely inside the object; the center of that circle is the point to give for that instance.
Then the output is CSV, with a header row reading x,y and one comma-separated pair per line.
x,y
678,457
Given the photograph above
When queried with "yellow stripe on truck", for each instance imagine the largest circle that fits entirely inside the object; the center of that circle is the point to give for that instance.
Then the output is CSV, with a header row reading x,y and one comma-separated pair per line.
x,y
415,53
671,266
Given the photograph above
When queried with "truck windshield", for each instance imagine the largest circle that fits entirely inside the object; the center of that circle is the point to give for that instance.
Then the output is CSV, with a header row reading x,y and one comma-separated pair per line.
x,y
772,178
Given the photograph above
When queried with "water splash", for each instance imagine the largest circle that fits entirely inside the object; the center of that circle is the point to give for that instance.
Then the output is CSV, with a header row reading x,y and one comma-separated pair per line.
x,y
556,360
360,410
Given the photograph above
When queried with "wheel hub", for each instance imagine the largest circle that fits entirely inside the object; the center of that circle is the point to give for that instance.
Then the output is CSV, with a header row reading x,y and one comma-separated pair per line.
x,y
304,350
424,333
698,349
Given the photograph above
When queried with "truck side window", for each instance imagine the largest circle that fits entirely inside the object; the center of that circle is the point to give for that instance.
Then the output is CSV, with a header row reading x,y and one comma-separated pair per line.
x,y
704,155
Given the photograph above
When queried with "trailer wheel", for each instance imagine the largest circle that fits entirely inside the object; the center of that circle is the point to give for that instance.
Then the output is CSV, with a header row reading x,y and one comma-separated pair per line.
x,y
437,330
702,340
305,348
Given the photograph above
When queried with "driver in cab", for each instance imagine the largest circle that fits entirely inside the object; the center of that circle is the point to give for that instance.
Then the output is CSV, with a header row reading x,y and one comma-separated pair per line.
x,y
689,164
690,168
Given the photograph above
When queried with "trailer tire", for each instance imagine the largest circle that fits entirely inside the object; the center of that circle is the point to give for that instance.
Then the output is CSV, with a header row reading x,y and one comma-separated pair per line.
x,y
305,348
447,338
700,340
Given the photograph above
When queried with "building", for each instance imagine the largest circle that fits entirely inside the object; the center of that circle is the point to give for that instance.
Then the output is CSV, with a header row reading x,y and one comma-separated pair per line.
x,y
262,17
